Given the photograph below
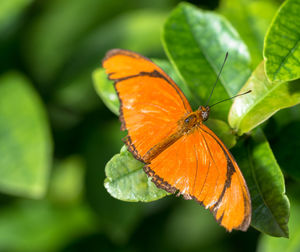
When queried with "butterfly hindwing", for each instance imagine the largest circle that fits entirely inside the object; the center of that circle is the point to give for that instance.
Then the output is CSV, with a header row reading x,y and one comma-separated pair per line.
x,y
200,167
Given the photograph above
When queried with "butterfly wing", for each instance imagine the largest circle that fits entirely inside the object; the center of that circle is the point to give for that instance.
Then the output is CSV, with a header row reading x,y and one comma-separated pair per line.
x,y
200,167
151,103
198,164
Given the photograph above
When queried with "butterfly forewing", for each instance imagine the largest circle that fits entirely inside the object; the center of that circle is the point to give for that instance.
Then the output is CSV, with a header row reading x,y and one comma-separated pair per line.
x,y
151,103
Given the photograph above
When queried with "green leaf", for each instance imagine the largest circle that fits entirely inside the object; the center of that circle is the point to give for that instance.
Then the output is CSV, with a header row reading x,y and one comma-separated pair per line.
x,y
105,88
248,111
251,19
223,131
28,226
126,179
25,141
196,42
282,44
270,205
271,244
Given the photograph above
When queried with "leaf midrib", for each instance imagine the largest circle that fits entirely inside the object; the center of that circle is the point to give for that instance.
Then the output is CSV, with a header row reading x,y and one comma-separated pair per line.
x,y
123,176
260,192
285,59
214,67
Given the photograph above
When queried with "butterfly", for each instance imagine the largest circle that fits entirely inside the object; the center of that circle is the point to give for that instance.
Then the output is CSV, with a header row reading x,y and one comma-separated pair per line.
x,y
179,151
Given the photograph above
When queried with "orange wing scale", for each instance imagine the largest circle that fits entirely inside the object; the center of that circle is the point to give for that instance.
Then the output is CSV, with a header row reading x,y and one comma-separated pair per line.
x,y
197,164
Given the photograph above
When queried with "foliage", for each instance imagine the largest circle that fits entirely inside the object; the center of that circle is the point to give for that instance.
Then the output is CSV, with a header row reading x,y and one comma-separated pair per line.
x,y
26,145
268,243
248,112
58,140
282,49
124,170
270,205
195,41
194,38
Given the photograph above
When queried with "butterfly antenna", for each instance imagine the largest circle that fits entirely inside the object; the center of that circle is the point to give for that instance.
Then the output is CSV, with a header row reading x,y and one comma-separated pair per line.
x,y
217,79
249,91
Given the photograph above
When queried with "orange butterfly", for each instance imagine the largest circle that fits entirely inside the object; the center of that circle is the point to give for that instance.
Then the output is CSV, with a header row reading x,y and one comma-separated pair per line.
x,y
179,152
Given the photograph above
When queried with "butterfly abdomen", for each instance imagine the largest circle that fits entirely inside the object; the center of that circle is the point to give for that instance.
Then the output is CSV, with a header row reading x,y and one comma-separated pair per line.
x,y
160,147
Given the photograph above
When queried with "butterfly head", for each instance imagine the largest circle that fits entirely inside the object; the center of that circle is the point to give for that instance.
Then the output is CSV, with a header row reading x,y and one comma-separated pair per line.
x,y
204,112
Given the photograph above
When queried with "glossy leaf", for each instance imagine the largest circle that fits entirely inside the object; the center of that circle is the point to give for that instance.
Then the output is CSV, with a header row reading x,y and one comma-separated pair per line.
x,y
270,205
25,142
126,179
272,244
196,42
282,44
248,111
251,19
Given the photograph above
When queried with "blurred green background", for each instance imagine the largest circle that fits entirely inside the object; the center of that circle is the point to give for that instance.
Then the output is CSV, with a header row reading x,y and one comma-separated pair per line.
x,y
56,135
